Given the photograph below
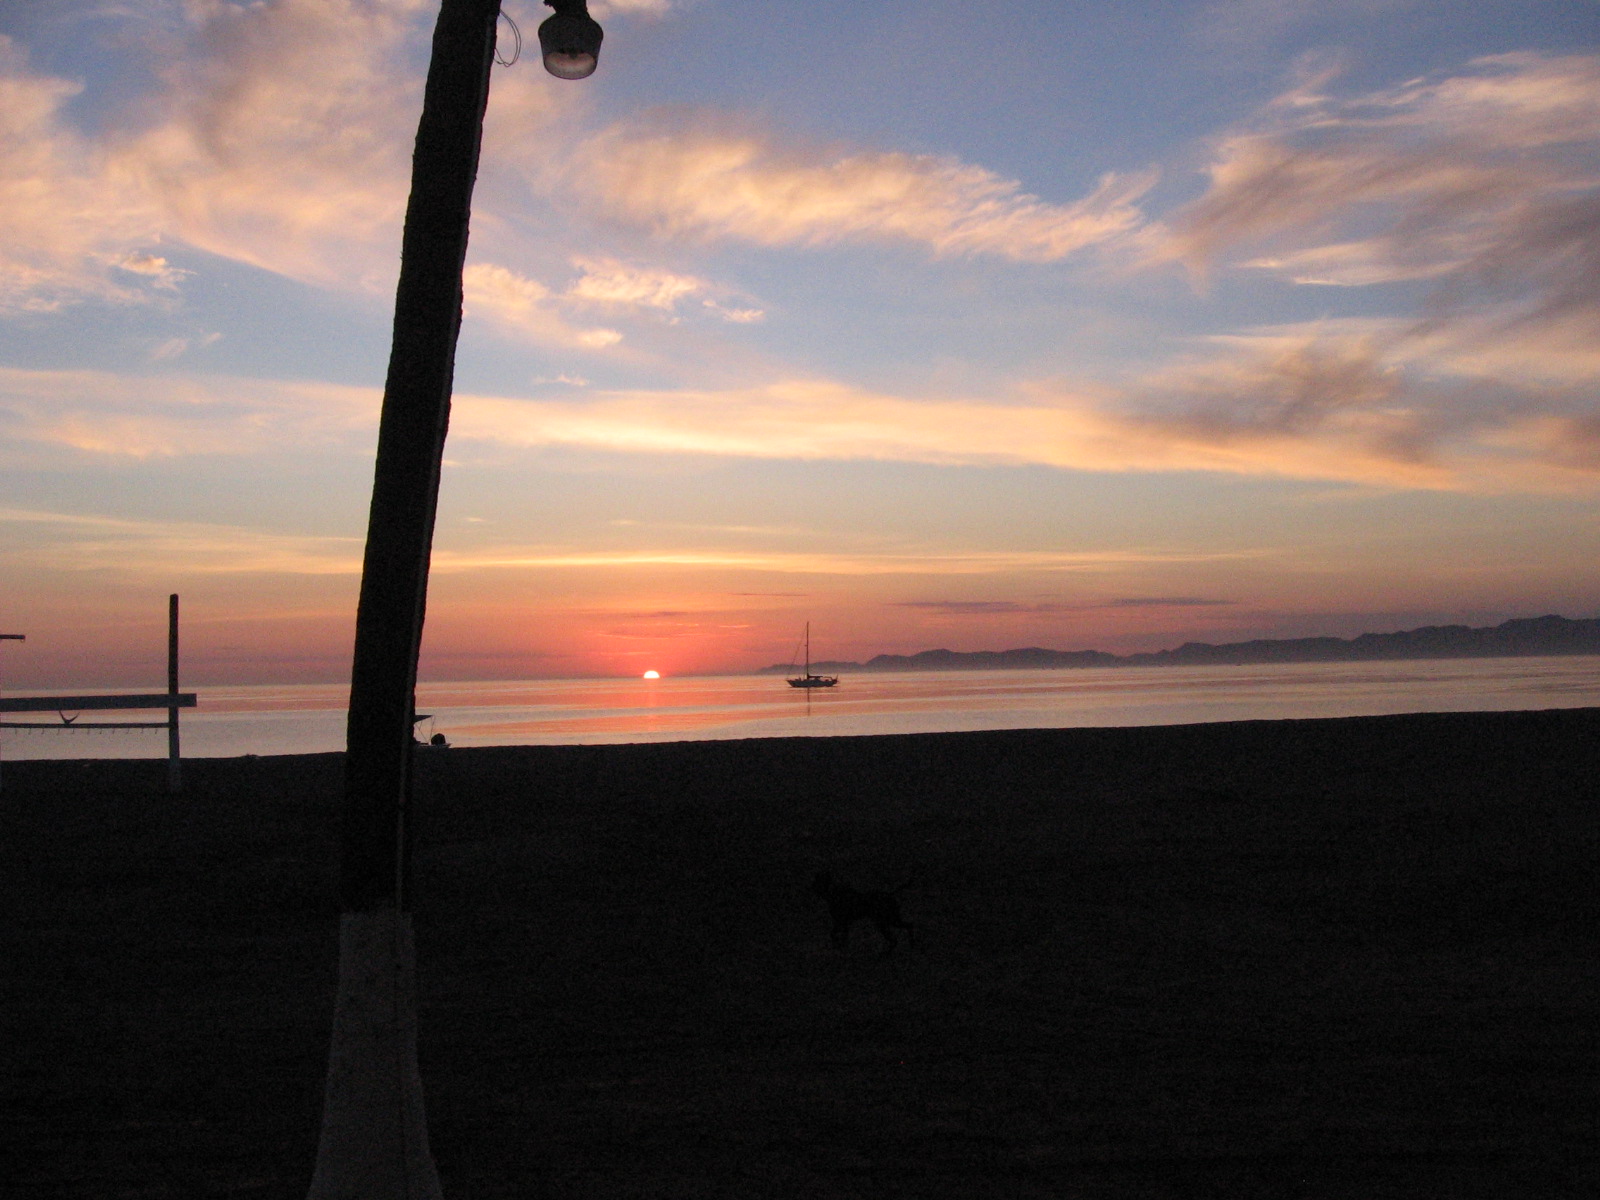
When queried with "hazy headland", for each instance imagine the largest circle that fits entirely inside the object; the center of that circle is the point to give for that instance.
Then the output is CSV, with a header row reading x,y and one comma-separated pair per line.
x,y
1342,958
1529,637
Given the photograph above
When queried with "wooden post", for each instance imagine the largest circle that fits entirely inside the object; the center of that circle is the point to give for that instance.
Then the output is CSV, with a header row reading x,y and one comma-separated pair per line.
x,y
374,1140
174,763
13,637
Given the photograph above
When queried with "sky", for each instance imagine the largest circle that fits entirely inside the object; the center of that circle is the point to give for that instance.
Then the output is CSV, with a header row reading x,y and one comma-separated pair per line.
x,y
934,324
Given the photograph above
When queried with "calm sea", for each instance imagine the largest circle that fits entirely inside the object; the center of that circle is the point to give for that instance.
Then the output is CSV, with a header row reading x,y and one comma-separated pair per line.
x,y
310,718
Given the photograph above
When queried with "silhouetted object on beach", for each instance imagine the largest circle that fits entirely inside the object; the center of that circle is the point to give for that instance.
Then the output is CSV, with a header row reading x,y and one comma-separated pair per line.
x,y
847,906
437,741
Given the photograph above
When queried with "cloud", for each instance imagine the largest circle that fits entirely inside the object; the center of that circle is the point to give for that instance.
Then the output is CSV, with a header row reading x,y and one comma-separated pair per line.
x,y
1483,184
161,273
277,134
865,562
683,179
985,608
739,316
1316,402
601,9
1179,427
1487,181
1313,387
610,282
618,285
1169,602
526,306
62,235
283,133
529,309
166,549
795,419
1295,403
128,416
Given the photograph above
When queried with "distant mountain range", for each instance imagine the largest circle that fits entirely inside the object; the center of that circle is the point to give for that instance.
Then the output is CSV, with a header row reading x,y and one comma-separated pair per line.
x,y
1514,639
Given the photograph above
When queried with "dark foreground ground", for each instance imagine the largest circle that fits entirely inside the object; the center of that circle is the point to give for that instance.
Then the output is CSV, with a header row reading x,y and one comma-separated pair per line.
x,y
1347,958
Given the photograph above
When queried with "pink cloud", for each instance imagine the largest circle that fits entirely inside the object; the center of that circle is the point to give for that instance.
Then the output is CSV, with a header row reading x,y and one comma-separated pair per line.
x,y
686,181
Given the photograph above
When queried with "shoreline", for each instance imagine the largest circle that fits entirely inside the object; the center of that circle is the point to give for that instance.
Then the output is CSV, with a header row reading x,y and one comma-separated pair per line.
x,y
617,712
1324,957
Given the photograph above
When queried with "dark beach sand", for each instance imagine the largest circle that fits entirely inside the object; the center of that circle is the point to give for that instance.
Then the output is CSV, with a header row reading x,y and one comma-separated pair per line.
x,y
1349,958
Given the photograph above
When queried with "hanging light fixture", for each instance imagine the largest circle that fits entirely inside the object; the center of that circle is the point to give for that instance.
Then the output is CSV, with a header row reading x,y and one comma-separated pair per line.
x,y
570,40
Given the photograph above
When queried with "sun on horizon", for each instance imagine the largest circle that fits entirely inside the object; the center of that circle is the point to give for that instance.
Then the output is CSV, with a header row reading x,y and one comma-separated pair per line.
x,y
652,674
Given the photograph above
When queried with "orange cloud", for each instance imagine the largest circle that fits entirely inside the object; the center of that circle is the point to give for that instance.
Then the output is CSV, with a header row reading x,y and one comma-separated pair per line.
x,y
857,562
97,412
278,135
62,233
1296,403
687,181
525,306
1305,411
157,549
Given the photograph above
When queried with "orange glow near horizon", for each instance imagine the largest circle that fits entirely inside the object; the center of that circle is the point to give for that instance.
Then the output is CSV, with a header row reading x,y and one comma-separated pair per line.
x,y
490,626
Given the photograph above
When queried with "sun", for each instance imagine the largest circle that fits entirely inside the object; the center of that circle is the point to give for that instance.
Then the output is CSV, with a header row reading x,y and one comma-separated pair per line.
x,y
652,674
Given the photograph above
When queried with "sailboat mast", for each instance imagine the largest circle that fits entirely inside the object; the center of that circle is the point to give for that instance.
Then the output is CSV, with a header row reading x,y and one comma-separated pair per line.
x,y
808,649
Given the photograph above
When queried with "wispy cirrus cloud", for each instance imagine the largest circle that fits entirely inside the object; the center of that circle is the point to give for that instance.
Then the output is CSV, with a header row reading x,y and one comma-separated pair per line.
x,y
1282,406
1177,422
94,542
988,608
62,239
277,138
1487,180
277,134
1169,602
129,416
1325,401
1482,185
46,540
984,608
802,562
280,137
683,177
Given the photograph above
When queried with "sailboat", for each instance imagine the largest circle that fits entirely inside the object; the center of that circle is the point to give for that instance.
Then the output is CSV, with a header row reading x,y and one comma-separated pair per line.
x,y
808,680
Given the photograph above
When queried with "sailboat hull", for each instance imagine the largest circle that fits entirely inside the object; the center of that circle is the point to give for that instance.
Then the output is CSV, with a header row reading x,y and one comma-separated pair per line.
x,y
808,680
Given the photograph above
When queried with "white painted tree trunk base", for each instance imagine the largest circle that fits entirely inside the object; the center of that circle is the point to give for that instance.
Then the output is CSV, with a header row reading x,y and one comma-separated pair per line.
x,y
374,1143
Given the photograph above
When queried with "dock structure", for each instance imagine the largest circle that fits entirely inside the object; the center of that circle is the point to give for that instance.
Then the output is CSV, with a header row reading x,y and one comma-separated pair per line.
x,y
172,700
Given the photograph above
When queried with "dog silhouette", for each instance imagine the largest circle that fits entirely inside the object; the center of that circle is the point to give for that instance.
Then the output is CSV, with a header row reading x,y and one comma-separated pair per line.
x,y
846,906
